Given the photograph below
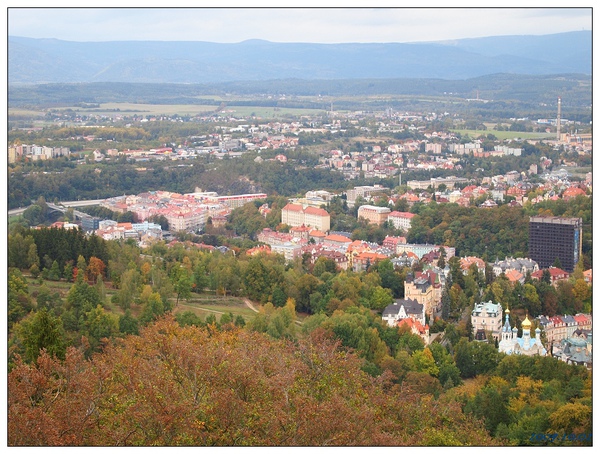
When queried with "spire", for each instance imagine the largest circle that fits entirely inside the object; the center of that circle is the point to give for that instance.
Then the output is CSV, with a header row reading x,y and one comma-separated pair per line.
x,y
506,327
526,323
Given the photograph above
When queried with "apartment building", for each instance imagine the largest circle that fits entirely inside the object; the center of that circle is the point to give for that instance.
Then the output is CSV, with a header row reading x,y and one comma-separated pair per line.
x,y
401,219
296,215
373,214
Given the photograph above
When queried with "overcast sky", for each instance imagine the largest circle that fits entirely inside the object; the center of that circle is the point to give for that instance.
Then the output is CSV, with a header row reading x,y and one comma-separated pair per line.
x,y
319,25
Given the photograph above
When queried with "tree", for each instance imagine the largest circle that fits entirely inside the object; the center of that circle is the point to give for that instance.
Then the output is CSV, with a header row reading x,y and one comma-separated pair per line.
x,y
381,298
128,324
34,270
99,325
42,331
424,362
54,274
474,358
81,267
95,269
68,271
572,418
19,302
183,287
81,299
129,288
175,386
153,309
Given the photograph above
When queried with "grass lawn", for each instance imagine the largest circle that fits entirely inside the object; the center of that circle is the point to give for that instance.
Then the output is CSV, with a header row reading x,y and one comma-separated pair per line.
x,y
201,305
204,305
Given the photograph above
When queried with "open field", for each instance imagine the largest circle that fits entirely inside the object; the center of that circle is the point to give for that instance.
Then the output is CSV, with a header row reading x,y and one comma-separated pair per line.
x,y
25,113
506,134
201,305
117,109
270,112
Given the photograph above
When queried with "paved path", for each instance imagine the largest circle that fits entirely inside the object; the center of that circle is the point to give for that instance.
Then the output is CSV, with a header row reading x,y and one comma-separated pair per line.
x,y
250,305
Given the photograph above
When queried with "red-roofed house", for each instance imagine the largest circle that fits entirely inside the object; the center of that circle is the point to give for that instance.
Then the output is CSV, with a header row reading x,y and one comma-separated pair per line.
x,y
416,328
363,260
391,242
466,262
514,276
336,241
264,249
587,276
584,321
572,192
556,274
317,235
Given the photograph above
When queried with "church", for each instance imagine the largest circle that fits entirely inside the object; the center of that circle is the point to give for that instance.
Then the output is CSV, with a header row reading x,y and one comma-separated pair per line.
x,y
525,345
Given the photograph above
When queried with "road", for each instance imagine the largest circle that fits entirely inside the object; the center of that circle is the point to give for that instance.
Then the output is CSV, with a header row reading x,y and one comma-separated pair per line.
x,y
72,203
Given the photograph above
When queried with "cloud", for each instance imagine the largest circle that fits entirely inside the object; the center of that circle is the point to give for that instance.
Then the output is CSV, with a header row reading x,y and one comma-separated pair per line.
x,y
323,25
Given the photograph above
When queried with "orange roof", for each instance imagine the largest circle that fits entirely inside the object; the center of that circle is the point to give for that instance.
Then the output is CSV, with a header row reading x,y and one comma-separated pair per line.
x,y
371,255
316,211
513,275
317,233
402,214
301,228
414,323
292,207
338,238
573,192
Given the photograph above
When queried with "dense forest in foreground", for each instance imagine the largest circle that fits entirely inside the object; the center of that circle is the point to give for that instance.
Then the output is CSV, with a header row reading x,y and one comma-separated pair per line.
x,y
179,386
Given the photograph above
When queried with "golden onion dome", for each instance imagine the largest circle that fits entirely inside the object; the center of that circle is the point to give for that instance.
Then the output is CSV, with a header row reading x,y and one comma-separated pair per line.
x,y
526,323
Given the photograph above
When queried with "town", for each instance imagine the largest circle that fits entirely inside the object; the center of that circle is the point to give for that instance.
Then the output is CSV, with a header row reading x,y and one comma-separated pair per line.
x,y
440,257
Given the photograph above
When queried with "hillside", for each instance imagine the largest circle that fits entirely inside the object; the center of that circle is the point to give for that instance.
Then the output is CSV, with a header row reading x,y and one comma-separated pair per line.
x,y
55,61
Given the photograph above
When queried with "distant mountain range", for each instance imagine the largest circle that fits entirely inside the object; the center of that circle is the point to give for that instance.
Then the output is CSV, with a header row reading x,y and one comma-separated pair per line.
x,y
34,61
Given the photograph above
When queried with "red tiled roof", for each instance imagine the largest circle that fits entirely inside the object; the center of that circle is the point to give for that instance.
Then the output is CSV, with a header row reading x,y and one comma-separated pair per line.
x,y
316,211
402,214
338,238
292,207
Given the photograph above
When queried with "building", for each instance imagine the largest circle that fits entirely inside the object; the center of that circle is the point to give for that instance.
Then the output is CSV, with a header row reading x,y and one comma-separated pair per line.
x,y
449,182
487,317
556,275
423,291
373,214
416,327
511,344
236,201
401,219
421,249
187,220
403,308
297,215
554,237
289,250
90,223
522,265
575,350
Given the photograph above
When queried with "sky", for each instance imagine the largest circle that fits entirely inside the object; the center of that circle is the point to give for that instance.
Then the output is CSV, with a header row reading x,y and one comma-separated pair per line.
x,y
333,24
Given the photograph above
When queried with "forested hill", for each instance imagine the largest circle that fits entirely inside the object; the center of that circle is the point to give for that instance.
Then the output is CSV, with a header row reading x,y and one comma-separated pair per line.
x,y
532,93
55,61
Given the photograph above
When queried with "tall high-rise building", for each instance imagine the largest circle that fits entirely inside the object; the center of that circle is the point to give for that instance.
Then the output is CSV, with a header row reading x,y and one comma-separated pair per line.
x,y
552,237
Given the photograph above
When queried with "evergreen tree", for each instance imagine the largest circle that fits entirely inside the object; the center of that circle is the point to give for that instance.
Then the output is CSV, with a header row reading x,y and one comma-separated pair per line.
x,y
42,331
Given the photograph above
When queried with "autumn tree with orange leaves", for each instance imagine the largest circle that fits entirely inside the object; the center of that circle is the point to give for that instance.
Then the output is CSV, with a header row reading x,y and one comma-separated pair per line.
x,y
190,386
